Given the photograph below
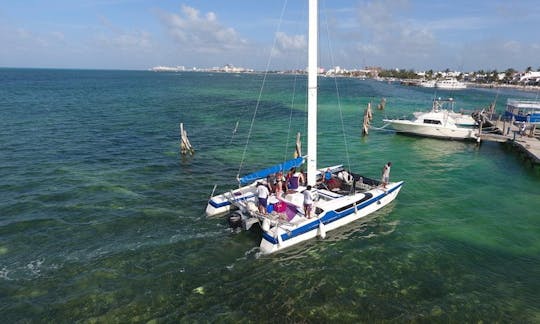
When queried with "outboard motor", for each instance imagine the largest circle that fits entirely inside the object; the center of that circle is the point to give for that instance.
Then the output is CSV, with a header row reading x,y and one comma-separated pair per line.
x,y
235,220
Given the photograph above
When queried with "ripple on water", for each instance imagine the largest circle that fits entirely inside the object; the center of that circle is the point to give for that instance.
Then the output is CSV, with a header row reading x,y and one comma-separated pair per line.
x,y
103,220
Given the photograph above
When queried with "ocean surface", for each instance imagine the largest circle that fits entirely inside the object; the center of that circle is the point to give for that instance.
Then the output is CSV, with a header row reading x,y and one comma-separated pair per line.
x,y
102,220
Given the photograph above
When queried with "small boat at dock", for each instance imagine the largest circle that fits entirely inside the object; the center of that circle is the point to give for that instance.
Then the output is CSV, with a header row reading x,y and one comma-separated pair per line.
x,y
427,83
440,122
524,111
450,84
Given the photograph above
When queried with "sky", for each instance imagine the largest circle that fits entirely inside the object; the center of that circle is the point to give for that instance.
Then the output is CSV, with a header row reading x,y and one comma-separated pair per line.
x,y
461,35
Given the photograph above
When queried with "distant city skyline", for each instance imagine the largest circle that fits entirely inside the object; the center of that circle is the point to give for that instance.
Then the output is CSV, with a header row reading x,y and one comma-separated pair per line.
x,y
135,34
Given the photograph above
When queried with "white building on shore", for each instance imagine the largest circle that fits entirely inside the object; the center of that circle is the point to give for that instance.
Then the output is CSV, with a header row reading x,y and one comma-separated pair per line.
x,y
531,77
168,68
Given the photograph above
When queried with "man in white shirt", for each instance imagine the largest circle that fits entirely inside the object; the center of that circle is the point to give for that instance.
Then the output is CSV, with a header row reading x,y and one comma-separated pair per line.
x,y
262,194
386,174
308,201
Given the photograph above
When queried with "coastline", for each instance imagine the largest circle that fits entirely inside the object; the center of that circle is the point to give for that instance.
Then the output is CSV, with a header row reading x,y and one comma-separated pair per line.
x,y
529,88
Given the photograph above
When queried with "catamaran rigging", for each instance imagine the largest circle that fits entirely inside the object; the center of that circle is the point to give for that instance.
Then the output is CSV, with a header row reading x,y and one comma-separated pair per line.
x,y
343,196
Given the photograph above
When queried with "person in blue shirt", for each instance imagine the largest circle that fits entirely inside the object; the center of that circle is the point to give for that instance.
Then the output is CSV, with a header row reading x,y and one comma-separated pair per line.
x,y
327,175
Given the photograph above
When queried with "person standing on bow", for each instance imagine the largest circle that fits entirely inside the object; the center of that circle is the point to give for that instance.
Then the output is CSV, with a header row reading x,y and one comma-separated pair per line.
x,y
386,174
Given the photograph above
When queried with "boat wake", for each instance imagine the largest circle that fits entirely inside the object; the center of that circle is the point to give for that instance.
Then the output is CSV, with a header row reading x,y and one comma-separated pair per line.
x,y
31,270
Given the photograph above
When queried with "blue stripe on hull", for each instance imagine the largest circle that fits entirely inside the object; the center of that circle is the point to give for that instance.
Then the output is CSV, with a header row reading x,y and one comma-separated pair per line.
x,y
216,205
531,118
227,203
328,218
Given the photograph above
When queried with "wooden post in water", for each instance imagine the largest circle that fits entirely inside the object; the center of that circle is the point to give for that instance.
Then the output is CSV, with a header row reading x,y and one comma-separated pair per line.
x,y
480,131
298,146
185,145
382,104
368,116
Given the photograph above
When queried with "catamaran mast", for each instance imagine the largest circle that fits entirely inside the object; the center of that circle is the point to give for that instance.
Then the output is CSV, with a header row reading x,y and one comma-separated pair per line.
x,y
312,93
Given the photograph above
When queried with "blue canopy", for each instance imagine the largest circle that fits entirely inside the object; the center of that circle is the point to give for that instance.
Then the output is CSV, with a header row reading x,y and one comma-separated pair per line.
x,y
285,166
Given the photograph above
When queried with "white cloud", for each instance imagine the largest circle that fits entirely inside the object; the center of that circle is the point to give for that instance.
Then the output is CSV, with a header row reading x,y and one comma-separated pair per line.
x,y
501,54
512,47
368,48
201,33
116,38
58,35
380,15
22,33
127,41
289,44
22,38
389,40
458,23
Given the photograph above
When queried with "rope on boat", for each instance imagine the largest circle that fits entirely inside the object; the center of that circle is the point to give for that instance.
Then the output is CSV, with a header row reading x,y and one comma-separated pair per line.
x,y
286,153
332,59
261,90
235,130
213,191
383,128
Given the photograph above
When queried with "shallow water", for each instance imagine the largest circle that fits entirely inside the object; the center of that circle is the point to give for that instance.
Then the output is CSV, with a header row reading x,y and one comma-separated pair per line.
x,y
102,220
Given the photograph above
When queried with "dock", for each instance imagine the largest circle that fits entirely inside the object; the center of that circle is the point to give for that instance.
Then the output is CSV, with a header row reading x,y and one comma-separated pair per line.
x,y
502,131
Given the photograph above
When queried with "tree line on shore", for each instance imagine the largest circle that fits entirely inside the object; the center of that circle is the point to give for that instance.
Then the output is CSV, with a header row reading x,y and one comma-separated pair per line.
x,y
509,76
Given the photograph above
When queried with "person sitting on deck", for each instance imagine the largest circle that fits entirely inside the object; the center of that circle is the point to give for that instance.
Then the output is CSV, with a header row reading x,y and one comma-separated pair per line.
x,y
345,177
301,177
294,179
289,175
327,175
522,129
280,181
271,181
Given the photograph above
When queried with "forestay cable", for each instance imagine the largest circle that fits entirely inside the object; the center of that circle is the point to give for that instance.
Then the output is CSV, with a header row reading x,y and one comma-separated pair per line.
x,y
337,91
261,91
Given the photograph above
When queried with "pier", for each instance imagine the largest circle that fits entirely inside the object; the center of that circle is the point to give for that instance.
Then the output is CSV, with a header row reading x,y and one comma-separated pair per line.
x,y
507,132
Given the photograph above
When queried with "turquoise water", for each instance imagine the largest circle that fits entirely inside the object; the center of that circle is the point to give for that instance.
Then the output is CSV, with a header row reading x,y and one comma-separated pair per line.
x,y
102,220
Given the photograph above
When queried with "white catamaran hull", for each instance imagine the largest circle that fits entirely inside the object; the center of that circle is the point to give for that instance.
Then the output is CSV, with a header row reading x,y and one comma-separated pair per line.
x,y
280,237
222,204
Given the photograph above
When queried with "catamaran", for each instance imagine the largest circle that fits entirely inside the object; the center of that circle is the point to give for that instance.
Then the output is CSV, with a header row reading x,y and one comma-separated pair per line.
x,y
341,196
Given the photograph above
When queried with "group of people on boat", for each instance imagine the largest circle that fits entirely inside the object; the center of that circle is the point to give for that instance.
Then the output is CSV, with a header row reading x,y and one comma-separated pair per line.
x,y
278,185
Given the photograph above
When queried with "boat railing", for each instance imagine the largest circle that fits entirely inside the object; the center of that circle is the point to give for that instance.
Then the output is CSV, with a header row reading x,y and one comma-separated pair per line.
x,y
523,104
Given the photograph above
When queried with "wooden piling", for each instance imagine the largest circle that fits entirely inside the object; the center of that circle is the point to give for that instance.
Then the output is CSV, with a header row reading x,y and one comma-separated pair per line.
x,y
382,104
185,145
368,116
